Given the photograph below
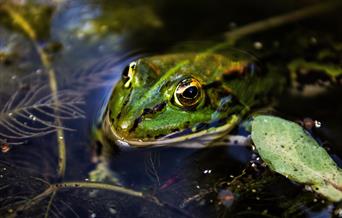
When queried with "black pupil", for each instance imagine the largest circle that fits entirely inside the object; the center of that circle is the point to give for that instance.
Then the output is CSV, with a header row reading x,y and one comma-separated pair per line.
x,y
190,92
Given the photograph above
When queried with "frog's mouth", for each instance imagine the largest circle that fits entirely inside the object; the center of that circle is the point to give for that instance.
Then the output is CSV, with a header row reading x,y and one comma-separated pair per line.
x,y
179,139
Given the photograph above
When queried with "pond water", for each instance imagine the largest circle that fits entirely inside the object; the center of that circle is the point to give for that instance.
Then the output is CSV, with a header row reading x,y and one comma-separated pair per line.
x,y
77,50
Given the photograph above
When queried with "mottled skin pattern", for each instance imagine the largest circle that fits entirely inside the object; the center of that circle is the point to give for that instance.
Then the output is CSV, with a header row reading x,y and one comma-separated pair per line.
x,y
144,109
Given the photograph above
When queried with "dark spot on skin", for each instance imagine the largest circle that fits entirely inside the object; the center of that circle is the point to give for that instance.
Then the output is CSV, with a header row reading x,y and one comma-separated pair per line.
x,y
175,130
127,98
212,85
226,104
155,109
147,111
159,107
136,123
219,122
202,126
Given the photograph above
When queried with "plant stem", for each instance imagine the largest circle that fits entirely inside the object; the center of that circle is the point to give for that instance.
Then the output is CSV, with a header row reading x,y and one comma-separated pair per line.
x,y
277,21
53,188
27,28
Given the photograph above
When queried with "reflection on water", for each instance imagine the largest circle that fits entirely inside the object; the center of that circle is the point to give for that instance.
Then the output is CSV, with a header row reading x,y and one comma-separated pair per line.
x,y
87,44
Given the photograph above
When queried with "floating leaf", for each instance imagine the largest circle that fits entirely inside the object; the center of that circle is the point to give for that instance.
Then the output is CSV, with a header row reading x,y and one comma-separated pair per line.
x,y
289,150
31,112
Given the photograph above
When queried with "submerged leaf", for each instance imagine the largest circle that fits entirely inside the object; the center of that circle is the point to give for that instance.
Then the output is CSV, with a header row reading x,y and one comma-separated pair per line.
x,y
289,150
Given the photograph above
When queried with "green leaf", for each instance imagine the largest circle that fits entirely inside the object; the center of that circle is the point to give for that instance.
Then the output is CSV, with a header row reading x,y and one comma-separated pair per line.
x,y
289,150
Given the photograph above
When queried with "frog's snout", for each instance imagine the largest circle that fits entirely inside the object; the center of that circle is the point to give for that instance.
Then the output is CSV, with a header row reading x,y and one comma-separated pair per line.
x,y
124,127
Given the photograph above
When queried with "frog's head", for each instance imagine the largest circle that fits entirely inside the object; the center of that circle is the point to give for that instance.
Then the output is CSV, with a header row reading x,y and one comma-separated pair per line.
x,y
170,98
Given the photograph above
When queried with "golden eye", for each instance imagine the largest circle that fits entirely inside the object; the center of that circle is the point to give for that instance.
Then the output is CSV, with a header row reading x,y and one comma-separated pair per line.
x,y
188,93
128,73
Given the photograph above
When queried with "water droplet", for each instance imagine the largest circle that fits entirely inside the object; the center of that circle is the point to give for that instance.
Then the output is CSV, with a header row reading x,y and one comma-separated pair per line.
x,y
112,210
313,40
258,45
253,190
207,171
308,188
39,71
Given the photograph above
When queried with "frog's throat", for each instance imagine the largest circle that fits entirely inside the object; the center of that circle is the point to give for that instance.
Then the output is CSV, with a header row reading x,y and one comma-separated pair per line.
x,y
204,136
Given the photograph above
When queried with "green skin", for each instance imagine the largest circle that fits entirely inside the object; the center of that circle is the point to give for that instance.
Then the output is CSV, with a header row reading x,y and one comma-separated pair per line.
x,y
143,109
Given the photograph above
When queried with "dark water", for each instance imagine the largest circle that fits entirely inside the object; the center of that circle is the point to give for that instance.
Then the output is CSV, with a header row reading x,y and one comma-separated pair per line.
x,y
89,43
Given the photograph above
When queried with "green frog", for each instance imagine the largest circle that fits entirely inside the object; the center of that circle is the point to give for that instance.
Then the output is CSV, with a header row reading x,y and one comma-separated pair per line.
x,y
183,99
177,98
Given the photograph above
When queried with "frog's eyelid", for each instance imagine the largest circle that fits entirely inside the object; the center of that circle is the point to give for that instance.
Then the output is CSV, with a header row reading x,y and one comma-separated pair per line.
x,y
133,65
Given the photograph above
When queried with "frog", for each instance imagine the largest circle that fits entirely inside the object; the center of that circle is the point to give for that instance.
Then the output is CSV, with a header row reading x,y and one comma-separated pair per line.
x,y
189,99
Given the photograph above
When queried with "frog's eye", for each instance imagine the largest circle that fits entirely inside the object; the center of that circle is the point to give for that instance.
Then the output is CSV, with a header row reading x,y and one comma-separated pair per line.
x,y
188,93
128,73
